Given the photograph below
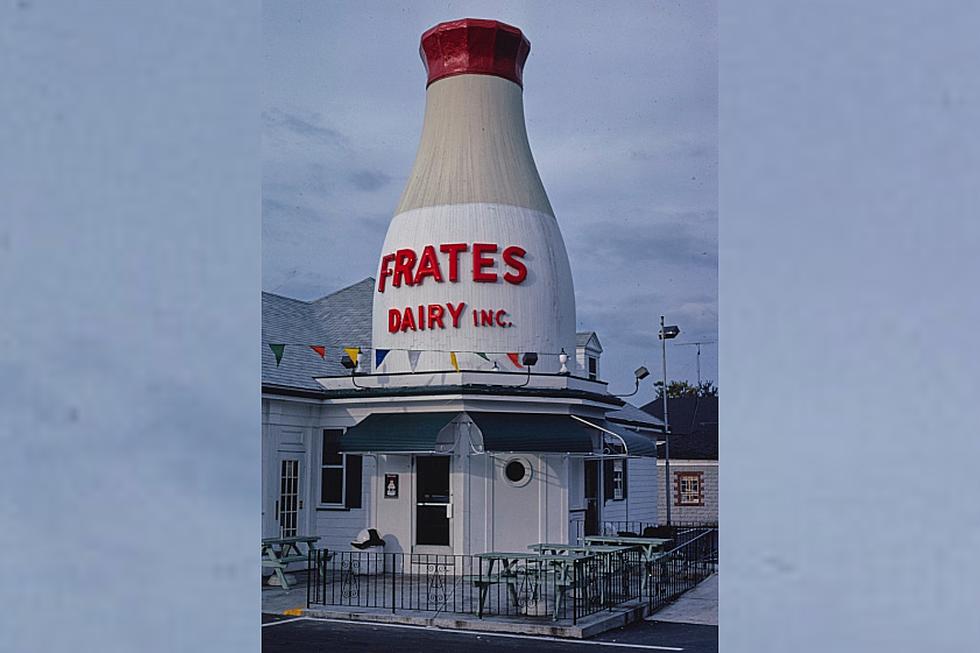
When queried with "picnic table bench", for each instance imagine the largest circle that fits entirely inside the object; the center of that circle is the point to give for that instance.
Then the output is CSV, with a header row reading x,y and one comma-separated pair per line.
x,y
651,548
514,564
279,552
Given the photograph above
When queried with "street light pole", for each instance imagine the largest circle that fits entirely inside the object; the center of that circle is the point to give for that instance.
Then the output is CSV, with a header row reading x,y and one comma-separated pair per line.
x,y
663,342
665,334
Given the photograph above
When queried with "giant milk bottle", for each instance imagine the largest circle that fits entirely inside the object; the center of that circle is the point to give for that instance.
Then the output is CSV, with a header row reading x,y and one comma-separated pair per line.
x,y
473,261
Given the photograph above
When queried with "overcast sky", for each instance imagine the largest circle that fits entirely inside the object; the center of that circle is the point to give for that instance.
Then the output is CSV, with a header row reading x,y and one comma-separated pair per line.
x,y
621,107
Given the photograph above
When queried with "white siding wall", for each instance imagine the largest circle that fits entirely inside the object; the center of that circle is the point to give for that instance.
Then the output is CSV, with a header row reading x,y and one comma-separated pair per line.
x,y
641,497
296,426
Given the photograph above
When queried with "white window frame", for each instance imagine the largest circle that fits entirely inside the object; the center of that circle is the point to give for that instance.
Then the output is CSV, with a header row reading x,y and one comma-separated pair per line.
x,y
589,361
343,476
618,479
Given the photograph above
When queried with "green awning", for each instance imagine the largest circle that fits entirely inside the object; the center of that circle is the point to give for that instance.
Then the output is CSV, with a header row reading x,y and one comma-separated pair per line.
x,y
400,432
532,432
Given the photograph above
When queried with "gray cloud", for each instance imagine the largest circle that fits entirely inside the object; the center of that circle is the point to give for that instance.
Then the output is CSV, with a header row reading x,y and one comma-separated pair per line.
x,y
277,119
369,180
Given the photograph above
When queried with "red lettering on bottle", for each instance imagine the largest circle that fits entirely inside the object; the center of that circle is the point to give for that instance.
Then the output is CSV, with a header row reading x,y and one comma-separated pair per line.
x,y
408,320
453,249
385,272
512,256
404,264
435,316
480,262
428,266
456,312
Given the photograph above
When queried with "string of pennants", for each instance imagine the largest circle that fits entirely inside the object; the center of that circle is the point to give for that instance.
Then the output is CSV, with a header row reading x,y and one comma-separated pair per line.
x,y
279,350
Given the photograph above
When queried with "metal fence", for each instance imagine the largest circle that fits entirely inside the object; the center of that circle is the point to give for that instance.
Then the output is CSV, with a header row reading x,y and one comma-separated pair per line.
x,y
560,590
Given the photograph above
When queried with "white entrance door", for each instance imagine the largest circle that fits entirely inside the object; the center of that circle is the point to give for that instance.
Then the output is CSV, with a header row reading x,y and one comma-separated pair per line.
x,y
288,510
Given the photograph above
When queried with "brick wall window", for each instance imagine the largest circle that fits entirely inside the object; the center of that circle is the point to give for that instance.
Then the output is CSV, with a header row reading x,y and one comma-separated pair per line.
x,y
689,488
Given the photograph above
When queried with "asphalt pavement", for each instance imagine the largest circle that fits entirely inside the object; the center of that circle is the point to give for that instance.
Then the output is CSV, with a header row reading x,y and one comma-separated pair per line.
x,y
303,635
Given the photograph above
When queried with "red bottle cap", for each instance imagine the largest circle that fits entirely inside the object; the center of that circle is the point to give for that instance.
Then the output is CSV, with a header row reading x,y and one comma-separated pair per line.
x,y
473,46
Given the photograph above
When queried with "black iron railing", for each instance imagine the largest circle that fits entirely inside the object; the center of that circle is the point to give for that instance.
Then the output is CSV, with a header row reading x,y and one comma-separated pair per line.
x,y
555,588
681,568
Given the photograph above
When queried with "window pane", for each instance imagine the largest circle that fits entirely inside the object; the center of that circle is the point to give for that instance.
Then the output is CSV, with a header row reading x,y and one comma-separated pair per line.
x,y
332,457
331,443
332,485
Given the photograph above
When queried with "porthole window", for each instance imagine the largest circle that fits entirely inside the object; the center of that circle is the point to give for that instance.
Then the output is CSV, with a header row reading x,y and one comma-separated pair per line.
x,y
517,472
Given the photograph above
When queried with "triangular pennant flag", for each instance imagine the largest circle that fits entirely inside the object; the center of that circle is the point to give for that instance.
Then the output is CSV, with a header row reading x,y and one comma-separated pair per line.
x,y
320,349
483,356
452,359
379,356
277,350
513,359
413,358
352,352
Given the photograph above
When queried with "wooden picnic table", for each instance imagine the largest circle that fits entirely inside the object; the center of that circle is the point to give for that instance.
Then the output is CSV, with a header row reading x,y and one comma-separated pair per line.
x,y
511,563
279,552
651,548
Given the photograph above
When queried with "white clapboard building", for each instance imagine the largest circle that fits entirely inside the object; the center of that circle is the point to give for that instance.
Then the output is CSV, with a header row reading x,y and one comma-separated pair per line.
x,y
448,402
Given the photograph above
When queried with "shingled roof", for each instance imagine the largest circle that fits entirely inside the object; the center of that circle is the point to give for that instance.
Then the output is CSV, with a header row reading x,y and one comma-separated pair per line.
x,y
693,426
340,319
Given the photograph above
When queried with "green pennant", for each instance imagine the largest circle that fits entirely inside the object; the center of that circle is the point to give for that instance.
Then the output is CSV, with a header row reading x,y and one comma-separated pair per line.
x,y
483,356
278,351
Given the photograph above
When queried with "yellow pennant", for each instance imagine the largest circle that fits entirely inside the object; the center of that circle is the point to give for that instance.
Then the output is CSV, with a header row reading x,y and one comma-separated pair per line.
x,y
452,357
352,352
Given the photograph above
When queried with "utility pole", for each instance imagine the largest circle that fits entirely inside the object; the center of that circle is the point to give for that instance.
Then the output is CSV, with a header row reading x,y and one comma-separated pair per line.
x,y
665,334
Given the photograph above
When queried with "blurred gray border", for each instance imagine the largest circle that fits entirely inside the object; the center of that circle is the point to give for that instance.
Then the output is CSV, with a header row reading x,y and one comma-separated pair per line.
x,y
129,272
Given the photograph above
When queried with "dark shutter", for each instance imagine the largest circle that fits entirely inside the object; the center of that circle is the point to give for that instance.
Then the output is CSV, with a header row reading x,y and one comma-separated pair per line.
x,y
607,480
352,477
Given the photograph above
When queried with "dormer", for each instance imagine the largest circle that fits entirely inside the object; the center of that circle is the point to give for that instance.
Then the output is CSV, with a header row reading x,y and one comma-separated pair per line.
x,y
587,353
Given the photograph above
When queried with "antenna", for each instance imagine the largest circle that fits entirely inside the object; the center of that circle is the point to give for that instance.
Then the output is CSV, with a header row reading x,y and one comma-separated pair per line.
x,y
698,345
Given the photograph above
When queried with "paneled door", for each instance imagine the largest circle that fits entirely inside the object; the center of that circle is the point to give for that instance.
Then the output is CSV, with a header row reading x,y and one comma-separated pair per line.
x,y
289,502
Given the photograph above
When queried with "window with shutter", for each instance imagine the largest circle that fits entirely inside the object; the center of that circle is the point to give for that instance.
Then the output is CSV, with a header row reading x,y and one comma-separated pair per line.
x,y
340,474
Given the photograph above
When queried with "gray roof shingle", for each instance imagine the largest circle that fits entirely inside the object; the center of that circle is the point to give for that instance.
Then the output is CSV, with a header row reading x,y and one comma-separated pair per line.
x,y
340,319
693,426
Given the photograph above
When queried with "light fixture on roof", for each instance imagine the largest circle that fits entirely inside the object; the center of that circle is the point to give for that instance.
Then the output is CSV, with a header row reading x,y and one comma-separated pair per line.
x,y
639,374
563,358
529,360
349,364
